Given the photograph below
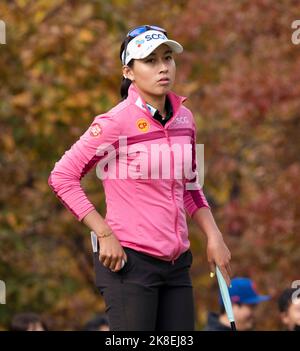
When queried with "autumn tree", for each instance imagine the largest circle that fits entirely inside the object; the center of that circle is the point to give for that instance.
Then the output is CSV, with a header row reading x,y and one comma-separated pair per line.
x,y
60,68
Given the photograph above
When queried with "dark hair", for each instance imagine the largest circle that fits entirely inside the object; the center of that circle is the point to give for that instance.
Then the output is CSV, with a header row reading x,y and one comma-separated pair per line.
x,y
125,84
285,299
95,323
21,321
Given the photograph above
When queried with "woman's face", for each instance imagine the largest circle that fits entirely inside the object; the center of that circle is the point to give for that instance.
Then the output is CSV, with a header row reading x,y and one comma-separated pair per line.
x,y
155,74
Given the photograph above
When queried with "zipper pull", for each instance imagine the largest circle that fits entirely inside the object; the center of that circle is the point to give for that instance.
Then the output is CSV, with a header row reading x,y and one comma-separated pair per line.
x,y
173,262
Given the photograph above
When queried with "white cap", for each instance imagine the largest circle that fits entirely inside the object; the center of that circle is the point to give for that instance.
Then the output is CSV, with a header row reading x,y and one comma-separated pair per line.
x,y
142,45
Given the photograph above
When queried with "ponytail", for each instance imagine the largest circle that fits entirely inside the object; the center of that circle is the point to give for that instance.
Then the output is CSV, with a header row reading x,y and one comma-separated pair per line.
x,y
125,84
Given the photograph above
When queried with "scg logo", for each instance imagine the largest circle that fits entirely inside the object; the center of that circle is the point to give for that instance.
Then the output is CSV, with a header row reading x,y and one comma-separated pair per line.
x,y
149,37
181,120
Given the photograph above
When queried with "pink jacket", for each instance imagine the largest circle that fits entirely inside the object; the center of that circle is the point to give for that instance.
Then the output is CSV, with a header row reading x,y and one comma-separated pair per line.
x,y
145,214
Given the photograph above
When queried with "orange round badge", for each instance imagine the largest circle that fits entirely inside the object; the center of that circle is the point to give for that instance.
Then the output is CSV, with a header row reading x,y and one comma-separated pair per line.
x,y
142,124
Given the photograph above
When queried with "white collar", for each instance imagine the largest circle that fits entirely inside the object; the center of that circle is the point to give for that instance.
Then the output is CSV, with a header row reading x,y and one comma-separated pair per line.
x,y
151,109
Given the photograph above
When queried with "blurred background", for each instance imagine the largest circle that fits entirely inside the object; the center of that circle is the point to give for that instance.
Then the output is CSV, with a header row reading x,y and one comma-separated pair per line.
x,y
60,68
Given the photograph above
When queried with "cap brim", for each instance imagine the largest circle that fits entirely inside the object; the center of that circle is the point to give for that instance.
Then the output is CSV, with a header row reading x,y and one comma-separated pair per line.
x,y
256,300
251,301
174,45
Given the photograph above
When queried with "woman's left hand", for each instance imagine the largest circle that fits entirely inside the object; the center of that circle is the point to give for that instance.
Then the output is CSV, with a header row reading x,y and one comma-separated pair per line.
x,y
219,255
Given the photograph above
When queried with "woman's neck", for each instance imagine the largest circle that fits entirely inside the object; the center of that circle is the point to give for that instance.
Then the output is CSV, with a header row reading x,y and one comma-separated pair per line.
x,y
157,102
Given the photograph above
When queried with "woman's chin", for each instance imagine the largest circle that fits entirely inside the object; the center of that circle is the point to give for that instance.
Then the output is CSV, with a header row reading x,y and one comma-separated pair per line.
x,y
163,90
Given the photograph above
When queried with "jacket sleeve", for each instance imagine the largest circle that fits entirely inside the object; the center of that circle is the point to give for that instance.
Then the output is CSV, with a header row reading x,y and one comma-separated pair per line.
x,y
65,177
193,196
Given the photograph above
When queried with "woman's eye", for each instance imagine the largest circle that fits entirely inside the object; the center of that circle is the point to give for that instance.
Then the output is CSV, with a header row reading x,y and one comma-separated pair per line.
x,y
153,60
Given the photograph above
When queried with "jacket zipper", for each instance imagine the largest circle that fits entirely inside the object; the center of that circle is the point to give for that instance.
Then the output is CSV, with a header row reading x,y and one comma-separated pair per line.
x,y
173,197
173,182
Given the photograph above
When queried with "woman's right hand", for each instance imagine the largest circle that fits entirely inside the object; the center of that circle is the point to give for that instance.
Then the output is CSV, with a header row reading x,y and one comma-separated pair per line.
x,y
111,253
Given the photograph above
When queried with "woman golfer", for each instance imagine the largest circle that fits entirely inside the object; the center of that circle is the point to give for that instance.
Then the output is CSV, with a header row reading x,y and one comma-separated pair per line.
x,y
142,148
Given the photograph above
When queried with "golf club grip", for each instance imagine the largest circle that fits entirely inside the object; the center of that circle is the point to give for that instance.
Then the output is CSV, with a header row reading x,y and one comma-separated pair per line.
x,y
233,327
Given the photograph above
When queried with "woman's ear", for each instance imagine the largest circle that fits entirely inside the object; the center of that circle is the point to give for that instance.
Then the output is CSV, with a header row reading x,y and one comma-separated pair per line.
x,y
127,73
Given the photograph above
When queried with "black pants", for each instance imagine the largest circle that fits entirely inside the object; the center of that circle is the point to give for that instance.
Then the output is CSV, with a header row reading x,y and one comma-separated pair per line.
x,y
148,293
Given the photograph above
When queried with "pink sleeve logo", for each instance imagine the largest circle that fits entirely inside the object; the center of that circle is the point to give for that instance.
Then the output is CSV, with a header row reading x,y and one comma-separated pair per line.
x,y
95,129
